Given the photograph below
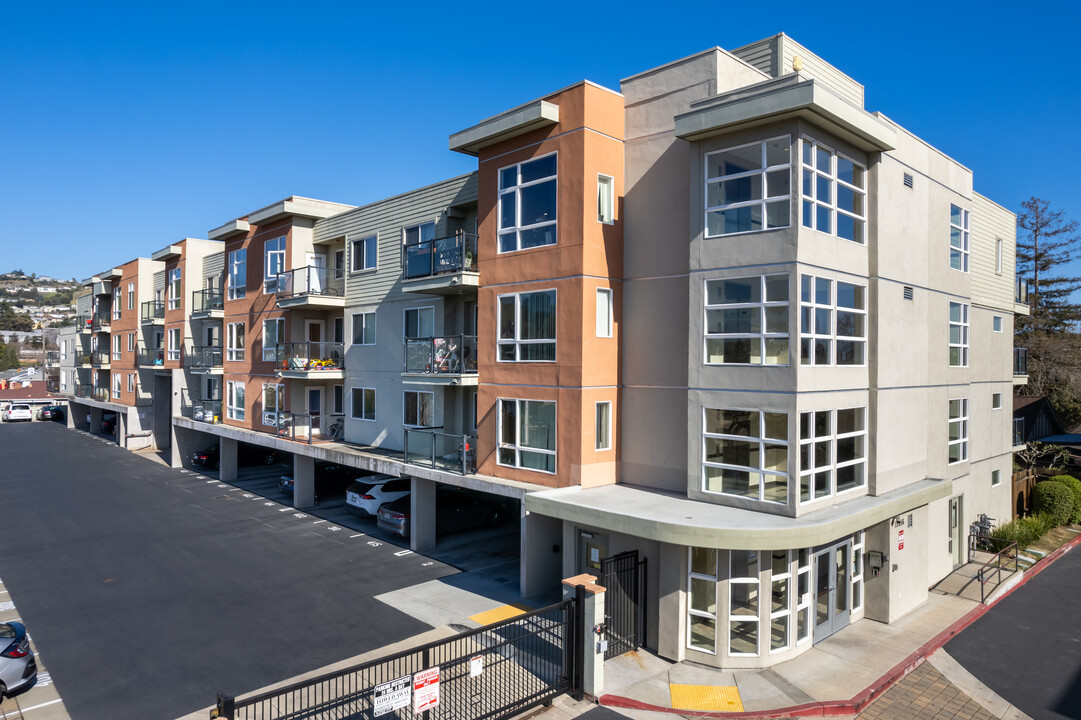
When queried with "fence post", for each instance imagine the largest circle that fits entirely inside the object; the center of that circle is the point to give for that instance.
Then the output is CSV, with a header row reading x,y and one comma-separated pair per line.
x,y
225,708
589,608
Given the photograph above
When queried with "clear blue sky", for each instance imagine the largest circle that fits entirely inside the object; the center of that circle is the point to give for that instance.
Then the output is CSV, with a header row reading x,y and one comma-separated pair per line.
x,y
127,126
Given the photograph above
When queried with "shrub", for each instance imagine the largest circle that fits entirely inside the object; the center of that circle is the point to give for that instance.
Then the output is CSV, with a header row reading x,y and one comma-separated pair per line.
x,y
1055,499
1023,531
1075,488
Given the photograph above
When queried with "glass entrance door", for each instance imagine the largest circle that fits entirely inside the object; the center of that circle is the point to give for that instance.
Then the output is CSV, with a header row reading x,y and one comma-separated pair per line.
x,y
832,573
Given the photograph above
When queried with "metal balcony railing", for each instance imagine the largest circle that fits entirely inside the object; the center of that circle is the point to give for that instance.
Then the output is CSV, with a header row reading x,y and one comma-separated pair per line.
x,y
84,391
151,310
1018,431
309,280
205,357
101,394
52,357
100,357
440,256
83,358
82,322
208,411
204,301
310,356
153,357
1020,291
447,355
52,385
1020,361
441,451
101,321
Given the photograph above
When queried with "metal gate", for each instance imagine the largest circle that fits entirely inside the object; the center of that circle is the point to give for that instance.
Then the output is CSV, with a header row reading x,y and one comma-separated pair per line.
x,y
492,672
623,578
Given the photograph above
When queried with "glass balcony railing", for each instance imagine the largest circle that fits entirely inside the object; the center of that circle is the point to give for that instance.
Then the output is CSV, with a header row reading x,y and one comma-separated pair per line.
x,y
84,391
151,310
100,357
152,357
1018,431
208,411
448,355
101,394
1020,292
82,323
440,256
204,357
441,451
205,301
310,356
310,280
83,358
1020,361
52,357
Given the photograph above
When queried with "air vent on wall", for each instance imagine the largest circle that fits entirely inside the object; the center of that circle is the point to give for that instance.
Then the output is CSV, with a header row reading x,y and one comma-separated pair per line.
x,y
908,180
908,292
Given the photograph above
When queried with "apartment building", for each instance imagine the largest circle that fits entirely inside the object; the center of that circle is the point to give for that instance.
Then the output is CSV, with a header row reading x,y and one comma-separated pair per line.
x,y
726,317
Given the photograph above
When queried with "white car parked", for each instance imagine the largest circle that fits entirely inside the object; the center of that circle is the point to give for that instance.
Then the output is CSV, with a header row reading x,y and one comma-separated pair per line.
x,y
18,412
366,495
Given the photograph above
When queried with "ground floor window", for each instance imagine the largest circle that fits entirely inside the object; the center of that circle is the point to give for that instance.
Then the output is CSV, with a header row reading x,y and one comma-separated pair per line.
x,y
527,434
743,592
702,600
272,403
235,400
780,617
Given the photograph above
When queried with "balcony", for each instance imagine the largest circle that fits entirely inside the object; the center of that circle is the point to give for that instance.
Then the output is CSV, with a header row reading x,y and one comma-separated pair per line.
x,y
441,451
208,411
207,304
82,324
302,427
311,360
84,359
205,359
311,286
102,394
52,358
1020,291
1020,366
83,391
448,360
154,357
100,359
441,266
152,312
1018,432
100,323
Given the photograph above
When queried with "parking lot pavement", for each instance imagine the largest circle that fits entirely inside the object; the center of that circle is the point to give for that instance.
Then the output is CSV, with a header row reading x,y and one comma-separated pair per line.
x,y
41,701
149,589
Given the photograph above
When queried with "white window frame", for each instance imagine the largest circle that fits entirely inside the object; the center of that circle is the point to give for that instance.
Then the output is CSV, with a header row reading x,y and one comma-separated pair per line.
x,y
278,390
270,350
959,238
273,250
996,401
364,410
804,562
786,611
760,471
117,384
131,342
367,322
857,572
238,274
174,289
515,190
517,341
810,310
762,306
419,311
810,177
756,617
998,256
996,477
337,395
517,447
961,421
691,611
421,395
234,352
604,312
961,327
118,346
606,199
172,346
234,400
364,253
131,382
807,449
603,435
131,296
996,323
762,174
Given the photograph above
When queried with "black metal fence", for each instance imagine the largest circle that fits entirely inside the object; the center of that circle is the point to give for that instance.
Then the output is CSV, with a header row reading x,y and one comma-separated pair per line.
x,y
492,672
623,578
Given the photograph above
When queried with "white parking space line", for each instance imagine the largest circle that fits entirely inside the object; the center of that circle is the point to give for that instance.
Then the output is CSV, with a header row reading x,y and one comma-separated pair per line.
x,y
356,536
316,522
402,552
35,707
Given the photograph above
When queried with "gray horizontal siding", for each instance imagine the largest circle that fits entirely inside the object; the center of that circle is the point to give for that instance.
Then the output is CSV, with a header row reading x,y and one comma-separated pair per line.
x,y
817,68
159,280
214,267
84,305
762,55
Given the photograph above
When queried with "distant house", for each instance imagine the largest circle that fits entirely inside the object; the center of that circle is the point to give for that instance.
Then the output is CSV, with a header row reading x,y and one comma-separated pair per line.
x,y
1038,421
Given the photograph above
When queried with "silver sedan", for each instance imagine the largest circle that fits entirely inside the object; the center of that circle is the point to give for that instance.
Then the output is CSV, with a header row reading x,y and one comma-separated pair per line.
x,y
18,669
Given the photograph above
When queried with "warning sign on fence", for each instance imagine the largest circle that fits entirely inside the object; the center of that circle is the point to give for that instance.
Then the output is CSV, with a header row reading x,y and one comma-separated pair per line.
x,y
391,696
426,689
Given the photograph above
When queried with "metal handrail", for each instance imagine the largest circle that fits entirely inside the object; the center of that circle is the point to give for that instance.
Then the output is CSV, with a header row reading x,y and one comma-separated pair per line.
x,y
151,357
309,356
207,300
152,310
439,256
444,451
101,357
205,356
100,321
445,355
983,573
208,411
309,280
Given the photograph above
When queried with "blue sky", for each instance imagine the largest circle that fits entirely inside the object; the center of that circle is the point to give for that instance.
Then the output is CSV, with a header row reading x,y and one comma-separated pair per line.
x,y
127,126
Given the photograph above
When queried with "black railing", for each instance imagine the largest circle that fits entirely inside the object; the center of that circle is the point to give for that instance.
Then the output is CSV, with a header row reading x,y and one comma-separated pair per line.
x,y
100,357
492,672
83,323
1020,291
442,451
623,578
1018,431
447,355
992,568
152,310
83,358
101,394
84,391
154,357
204,357
309,356
205,301
310,280
101,321
1020,361
440,256
52,357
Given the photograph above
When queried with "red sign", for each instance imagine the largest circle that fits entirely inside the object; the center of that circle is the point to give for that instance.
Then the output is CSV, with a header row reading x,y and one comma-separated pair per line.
x,y
426,689
901,540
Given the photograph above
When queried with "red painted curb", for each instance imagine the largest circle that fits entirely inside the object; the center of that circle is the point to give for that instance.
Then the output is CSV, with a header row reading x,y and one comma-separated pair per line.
x,y
855,705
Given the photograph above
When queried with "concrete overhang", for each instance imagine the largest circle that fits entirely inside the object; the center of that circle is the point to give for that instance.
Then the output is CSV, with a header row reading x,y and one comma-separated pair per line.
x,y
229,229
172,252
298,207
790,96
520,120
672,518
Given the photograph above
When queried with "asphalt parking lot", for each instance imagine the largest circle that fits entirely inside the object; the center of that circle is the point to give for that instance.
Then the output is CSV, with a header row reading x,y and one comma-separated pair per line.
x,y
150,589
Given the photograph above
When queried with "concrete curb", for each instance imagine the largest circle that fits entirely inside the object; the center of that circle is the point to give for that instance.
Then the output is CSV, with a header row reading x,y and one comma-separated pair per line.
x,y
858,703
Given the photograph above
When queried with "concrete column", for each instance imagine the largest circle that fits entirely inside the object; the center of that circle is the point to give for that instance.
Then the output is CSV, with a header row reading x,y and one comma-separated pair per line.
x,y
422,515
70,416
227,460
542,554
122,429
303,481
593,652
95,420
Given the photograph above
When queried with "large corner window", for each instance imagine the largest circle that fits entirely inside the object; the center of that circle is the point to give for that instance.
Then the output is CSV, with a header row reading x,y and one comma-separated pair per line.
x,y
748,188
527,434
527,327
833,452
958,334
958,430
238,274
745,454
174,289
527,204
833,322
743,596
747,321
834,195
702,600
273,263
959,239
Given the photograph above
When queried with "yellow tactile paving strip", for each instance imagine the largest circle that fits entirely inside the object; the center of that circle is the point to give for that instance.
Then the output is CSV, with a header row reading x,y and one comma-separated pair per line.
x,y
503,612
706,697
